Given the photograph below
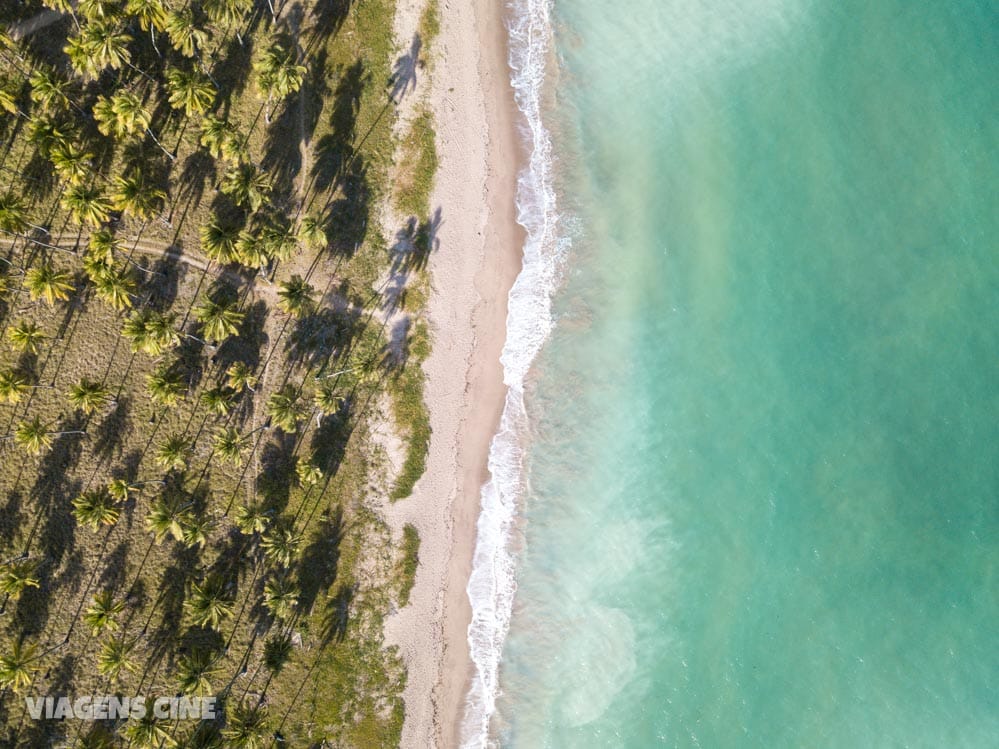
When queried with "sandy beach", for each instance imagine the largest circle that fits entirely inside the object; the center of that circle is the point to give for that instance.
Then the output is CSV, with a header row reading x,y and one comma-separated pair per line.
x,y
472,270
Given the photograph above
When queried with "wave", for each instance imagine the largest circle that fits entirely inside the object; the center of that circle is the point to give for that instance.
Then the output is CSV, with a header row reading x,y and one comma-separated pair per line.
x,y
492,582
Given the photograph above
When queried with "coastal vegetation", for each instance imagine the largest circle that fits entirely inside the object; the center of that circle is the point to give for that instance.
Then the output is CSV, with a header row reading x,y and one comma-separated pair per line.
x,y
204,320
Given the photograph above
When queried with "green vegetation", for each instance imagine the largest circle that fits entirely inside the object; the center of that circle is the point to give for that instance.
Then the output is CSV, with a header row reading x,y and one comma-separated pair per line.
x,y
193,346
410,559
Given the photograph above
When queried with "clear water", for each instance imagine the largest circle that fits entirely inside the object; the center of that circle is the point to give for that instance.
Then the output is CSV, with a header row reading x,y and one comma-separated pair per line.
x,y
763,502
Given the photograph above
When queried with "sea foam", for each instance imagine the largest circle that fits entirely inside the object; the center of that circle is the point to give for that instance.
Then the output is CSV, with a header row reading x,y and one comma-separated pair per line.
x,y
492,582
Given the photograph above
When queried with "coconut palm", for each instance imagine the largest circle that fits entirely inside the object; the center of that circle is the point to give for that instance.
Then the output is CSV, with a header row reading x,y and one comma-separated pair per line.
x,y
247,185
87,204
98,737
151,15
18,576
281,597
218,240
173,453
251,519
185,36
240,377
219,319
281,543
312,232
151,332
102,614
13,385
278,73
217,400
327,399
277,651
226,12
296,296
133,194
222,138
122,489
165,386
167,516
49,89
251,250
189,90
88,395
110,123
115,288
27,336
95,508
309,474
103,245
98,45
47,132
16,669
149,732
115,657
94,10
245,727
45,282
229,445
14,214
209,603
285,408
34,436
195,671
195,531
72,163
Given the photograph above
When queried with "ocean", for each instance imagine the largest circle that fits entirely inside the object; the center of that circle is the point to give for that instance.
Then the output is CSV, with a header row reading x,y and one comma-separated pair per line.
x,y
746,488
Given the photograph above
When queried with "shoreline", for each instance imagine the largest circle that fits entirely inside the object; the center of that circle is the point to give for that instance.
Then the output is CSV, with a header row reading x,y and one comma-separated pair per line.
x,y
472,271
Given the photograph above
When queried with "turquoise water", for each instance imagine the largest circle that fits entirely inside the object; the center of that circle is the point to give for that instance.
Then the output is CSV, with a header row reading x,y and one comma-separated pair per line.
x,y
763,504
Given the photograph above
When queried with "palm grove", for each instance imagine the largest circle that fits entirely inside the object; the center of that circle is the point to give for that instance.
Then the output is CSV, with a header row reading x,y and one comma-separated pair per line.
x,y
193,348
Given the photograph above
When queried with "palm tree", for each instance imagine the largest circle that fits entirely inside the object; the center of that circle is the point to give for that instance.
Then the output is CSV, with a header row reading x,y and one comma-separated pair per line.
x,y
245,727
151,332
247,185
165,386
217,400
122,489
168,516
281,543
124,115
191,91
99,737
95,508
17,576
209,604
240,377
16,671
102,614
14,215
327,399
133,194
87,204
151,15
149,732
285,408
277,651
99,9
114,657
103,245
226,12
278,73
49,90
219,319
13,385
88,395
34,436
251,250
46,133
281,597
27,337
309,474
184,35
72,163
251,519
229,445
172,454
45,282
195,671
195,531
99,44
115,288
296,297
221,138
218,240
312,233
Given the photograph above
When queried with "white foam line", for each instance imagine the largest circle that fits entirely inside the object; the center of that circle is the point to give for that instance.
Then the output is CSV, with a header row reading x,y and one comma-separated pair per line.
x,y
492,583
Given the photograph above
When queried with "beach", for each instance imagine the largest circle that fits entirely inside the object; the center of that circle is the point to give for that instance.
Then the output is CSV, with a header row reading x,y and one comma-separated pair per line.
x,y
476,260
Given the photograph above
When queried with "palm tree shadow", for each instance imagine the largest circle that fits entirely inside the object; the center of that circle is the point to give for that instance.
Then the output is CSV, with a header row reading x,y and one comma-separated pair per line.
x,y
403,78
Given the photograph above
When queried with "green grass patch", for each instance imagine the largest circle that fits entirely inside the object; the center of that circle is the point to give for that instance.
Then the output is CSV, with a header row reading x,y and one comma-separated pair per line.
x,y
409,563
417,167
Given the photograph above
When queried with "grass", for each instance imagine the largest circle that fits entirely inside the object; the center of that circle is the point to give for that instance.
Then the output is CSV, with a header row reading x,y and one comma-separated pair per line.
x,y
411,414
418,165
409,563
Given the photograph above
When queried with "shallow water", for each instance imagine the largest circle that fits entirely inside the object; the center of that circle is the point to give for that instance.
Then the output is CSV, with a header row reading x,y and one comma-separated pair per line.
x,y
763,469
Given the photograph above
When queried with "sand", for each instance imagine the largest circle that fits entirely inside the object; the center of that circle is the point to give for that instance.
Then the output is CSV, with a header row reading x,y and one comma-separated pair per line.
x,y
472,269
